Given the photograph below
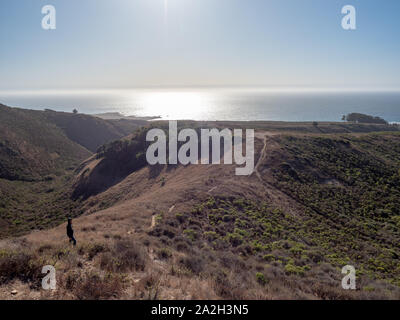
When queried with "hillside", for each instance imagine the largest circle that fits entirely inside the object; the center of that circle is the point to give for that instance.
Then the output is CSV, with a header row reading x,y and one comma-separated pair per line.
x,y
89,131
32,148
39,151
316,202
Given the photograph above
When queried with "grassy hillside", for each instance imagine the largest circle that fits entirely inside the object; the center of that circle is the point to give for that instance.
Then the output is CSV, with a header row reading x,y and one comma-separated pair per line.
x,y
116,160
91,132
316,202
342,175
347,189
27,206
329,200
39,151
31,148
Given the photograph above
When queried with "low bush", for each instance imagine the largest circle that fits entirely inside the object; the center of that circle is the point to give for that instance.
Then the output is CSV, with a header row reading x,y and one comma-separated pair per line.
x,y
261,278
125,256
164,253
95,287
195,264
22,266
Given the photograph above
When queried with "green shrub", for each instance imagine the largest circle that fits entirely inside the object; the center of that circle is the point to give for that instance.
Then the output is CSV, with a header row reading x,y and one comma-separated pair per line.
x,y
235,239
191,234
269,257
261,278
292,269
210,235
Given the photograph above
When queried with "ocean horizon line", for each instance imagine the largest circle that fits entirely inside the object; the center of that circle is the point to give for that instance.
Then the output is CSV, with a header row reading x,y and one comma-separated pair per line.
x,y
266,89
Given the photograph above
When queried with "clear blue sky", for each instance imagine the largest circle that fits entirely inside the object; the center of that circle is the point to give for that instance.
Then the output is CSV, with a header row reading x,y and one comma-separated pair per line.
x,y
131,43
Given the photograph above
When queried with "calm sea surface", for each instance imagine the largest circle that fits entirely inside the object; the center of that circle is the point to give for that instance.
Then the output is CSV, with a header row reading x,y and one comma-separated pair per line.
x,y
214,104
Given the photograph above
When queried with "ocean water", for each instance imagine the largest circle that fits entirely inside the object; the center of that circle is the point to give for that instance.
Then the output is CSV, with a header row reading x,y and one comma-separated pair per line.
x,y
214,104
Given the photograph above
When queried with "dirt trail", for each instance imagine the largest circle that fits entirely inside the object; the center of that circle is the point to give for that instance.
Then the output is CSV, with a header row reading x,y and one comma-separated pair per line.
x,y
212,189
261,159
153,222
263,135
277,196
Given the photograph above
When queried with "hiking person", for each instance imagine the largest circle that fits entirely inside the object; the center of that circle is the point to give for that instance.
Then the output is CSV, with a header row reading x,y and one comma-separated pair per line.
x,y
70,232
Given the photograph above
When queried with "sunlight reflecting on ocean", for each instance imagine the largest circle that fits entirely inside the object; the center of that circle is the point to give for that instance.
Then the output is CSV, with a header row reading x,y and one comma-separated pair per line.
x,y
214,104
175,104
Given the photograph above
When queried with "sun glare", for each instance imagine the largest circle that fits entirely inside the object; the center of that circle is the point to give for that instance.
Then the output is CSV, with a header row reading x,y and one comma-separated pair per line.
x,y
175,104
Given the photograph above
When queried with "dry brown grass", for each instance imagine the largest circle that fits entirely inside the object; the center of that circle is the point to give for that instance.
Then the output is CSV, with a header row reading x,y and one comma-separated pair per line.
x,y
23,266
125,256
119,255
96,287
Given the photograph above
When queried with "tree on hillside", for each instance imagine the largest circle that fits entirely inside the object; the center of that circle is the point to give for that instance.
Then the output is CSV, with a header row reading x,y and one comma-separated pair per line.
x,y
75,111
343,118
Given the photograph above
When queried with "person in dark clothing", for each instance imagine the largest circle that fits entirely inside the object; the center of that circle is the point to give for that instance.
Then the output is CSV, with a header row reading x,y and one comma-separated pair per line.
x,y
70,232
